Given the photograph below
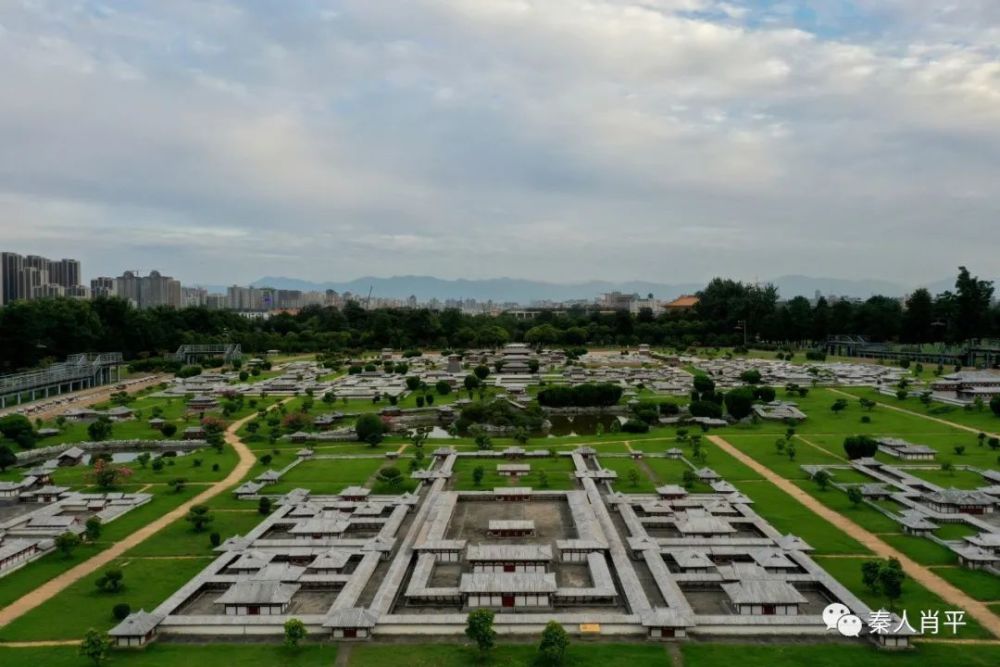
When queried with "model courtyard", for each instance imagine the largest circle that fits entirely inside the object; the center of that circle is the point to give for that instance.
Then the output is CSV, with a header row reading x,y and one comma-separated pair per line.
x,y
693,538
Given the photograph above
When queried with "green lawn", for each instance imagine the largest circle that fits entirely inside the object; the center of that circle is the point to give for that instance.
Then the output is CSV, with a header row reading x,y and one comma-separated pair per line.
x,y
559,471
915,597
922,550
955,531
326,476
179,539
82,606
789,516
867,517
643,482
955,478
33,575
174,655
836,655
980,585
580,654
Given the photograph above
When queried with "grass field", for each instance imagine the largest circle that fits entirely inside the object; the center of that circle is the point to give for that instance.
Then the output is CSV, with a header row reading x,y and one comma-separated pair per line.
x,y
327,476
81,606
980,585
558,471
580,654
915,597
837,655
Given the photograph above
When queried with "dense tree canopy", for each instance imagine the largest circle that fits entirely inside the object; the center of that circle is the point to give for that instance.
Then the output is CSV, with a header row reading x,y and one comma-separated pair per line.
x,y
32,332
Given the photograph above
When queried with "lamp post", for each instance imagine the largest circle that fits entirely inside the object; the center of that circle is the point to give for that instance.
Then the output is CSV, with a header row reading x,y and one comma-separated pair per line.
x,y
741,325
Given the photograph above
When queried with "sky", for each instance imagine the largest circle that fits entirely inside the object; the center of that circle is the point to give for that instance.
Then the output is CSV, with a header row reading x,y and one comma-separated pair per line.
x,y
560,140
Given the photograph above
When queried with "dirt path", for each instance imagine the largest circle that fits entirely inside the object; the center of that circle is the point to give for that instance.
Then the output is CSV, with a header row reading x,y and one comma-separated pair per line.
x,y
913,413
42,644
343,655
54,586
921,574
674,654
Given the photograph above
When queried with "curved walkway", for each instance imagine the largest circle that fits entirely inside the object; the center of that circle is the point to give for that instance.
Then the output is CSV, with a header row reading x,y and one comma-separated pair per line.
x,y
56,585
919,573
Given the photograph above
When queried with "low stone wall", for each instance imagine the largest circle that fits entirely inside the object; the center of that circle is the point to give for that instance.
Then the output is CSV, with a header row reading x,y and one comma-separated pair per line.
x,y
610,410
39,454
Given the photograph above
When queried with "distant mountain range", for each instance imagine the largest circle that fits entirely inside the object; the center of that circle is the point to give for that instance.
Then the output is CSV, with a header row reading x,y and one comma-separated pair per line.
x,y
526,291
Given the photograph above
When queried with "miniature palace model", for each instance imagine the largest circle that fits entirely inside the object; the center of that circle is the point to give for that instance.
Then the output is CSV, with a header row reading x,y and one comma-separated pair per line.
x,y
664,565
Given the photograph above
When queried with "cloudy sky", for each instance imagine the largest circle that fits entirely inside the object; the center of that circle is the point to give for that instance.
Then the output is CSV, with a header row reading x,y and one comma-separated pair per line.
x,y
664,140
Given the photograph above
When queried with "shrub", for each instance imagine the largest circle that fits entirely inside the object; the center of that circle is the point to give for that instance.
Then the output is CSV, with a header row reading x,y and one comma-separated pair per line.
x,y
859,446
168,430
764,394
369,428
635,426
705,409
739,403
121,611
668,409
189,371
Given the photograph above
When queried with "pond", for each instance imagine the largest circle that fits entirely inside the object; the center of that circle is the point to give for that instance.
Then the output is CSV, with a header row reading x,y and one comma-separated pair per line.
x,y
563,425
436,432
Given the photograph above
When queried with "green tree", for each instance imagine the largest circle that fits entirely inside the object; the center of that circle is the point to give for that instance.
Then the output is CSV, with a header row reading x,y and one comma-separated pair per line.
x,y
264,505
100,429
92,528
177,484
369,428
479,628
739,402
66,543
633,477
822,478
555,641
199,517
96,646
111,580
870,570
477,475
7,458
855,496
295,632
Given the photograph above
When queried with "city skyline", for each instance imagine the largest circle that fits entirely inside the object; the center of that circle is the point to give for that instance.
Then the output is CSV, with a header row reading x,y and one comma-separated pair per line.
x,y
647,140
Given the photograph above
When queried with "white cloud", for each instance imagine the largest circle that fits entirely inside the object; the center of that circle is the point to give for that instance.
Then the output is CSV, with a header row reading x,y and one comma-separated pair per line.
x,y
560,139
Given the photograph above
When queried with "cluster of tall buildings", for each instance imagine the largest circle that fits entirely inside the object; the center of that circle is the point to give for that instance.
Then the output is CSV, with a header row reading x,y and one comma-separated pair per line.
x,y
27,277
142,291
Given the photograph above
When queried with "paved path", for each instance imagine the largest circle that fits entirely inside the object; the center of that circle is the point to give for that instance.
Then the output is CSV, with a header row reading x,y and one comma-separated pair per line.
x,y
913,413
922,575
56,585
343,655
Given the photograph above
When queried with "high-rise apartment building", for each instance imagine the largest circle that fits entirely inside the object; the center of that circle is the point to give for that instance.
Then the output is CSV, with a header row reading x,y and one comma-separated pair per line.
x,y
24,277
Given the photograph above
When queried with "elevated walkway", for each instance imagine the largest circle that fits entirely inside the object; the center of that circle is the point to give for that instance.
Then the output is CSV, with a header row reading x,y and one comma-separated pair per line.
x,y
79,371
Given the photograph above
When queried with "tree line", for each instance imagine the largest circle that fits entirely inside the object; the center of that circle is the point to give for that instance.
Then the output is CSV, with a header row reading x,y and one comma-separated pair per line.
x,y
728,312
